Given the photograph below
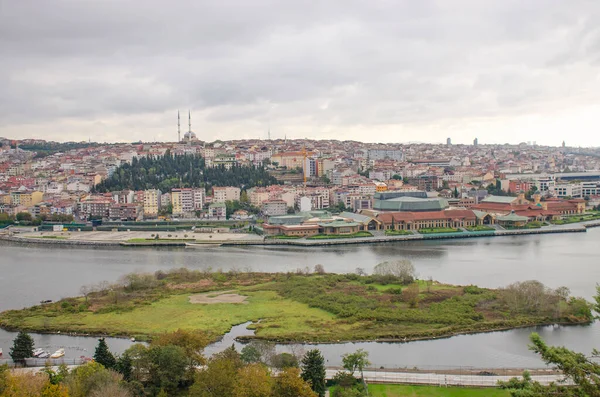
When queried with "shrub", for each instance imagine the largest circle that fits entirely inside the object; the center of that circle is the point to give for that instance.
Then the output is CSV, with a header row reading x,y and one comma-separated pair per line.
x,y
473,289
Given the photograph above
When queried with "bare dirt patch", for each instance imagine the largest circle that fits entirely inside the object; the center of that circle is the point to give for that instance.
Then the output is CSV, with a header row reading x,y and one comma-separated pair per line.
x,y
211,298
197,285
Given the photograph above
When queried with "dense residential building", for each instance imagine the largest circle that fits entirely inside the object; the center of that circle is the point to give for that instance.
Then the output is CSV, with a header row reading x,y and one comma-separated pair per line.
x,y
217,211
152,202
227,193
125,212
187,201
274,208
336,173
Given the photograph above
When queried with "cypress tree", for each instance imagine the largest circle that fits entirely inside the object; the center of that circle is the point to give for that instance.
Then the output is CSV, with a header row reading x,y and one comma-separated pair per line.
x,y
313,371
22,348
103,356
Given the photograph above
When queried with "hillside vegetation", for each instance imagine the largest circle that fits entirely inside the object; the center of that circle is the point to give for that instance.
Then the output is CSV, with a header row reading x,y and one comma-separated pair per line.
x,y
180,171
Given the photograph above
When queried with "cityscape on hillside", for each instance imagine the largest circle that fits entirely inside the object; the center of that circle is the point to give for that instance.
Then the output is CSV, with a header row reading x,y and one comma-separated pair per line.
x,y
77,180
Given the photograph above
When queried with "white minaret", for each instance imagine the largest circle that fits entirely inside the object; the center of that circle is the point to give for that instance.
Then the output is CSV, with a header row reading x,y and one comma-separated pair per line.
x,y
189,127
178,127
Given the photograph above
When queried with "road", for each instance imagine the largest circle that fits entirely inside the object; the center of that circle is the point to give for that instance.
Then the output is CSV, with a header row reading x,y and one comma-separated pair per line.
x,y
443,379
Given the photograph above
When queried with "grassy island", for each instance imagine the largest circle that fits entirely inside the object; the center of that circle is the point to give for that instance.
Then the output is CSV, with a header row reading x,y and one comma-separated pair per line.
x,y
298,306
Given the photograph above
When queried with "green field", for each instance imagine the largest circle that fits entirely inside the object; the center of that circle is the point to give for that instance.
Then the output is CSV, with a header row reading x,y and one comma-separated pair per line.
x,y
432,391
283,237
397,233
291,307
438,230
337,236
479,228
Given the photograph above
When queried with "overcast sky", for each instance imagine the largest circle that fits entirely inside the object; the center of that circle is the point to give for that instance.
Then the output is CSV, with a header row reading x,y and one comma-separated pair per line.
x,y
372,70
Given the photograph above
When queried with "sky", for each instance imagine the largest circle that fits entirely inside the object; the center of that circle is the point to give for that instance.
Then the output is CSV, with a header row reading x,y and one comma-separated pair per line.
x,y
504,71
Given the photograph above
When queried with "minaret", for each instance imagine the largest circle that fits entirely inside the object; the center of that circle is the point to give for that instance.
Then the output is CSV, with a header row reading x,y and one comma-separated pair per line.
x,y
178,127
190,127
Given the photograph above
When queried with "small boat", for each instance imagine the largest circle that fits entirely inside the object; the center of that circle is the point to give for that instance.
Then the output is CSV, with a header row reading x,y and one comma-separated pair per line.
x,y
44,355
58,354
0,351
37,352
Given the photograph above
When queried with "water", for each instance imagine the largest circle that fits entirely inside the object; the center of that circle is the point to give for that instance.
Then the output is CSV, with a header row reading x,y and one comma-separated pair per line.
x,y
29,274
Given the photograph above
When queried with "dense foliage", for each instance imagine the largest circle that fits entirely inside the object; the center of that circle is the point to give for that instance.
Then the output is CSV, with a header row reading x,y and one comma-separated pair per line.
x,y
48,148
583,371
181,171
22,347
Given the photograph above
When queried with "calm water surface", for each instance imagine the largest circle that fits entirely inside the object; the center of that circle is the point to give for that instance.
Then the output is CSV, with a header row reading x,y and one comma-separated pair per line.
x,y
29,274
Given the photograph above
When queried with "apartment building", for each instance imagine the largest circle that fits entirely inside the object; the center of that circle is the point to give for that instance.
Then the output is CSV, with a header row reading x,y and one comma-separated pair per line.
x,y
226,193
188,200
152,201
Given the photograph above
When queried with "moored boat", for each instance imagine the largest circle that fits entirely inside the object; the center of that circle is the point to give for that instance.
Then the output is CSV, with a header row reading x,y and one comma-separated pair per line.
x,y
0,351
58,354
37,352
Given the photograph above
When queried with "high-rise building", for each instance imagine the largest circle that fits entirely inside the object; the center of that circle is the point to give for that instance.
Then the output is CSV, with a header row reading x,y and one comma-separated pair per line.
x,y
152,199
448,141
187,200
475,142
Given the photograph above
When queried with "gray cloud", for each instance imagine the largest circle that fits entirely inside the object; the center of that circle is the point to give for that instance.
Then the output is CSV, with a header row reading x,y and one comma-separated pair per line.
x,y
342,68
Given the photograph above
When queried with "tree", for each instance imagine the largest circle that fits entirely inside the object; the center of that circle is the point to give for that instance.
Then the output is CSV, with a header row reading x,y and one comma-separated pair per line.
x,y
192,342
250,354
402,269
24,217
289,384
284,360
583,371
356,361
22,348
103,356
218,378
168,367
253,380
313,371
90,379
319,269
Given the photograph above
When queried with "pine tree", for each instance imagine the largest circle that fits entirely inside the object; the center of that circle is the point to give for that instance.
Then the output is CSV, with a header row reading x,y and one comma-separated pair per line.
x,y
103,356
22,348
313,371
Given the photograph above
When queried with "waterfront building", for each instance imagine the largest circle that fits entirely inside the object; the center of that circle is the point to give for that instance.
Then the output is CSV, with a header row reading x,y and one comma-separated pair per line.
x,y
217,211
125,212
408,201
428,219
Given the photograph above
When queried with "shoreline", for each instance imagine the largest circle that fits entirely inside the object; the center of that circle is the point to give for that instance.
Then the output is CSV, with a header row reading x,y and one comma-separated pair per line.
x,y
574,228
244,339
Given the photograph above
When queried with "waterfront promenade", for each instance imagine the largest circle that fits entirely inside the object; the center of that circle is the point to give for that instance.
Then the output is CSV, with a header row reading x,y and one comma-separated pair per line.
x,y
189,238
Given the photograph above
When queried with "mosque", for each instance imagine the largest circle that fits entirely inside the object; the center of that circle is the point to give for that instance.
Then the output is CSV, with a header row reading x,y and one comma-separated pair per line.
x,y
189,136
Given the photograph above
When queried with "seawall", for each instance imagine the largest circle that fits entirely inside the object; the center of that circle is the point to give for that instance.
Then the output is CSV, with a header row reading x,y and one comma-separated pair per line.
x,y
578,228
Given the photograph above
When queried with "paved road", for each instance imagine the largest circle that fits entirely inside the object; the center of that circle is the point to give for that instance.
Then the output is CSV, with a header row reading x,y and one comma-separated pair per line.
x,y
441,379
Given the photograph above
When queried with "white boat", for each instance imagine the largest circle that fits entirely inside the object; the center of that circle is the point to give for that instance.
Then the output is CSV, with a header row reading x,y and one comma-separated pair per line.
x,y
37,352
58,354
44,355
0,351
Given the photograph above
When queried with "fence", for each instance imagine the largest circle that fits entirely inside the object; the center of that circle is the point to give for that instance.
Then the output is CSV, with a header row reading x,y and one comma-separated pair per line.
x,y
453,376
42,362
